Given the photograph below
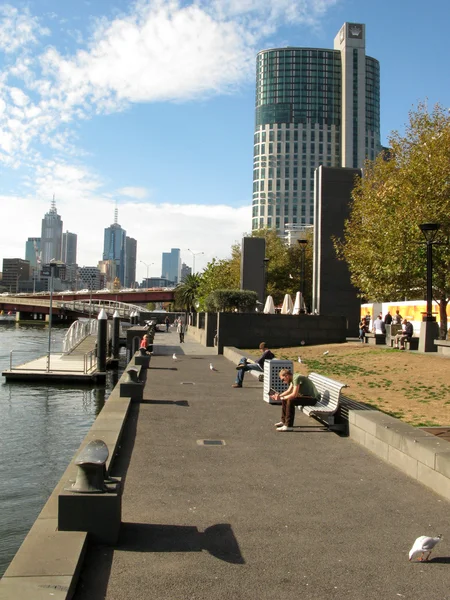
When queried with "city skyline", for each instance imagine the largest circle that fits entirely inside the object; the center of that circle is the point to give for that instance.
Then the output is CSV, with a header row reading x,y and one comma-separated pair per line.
x,y
175,152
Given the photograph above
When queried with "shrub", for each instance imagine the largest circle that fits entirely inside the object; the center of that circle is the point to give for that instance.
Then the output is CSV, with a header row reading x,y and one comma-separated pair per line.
x,y
230,300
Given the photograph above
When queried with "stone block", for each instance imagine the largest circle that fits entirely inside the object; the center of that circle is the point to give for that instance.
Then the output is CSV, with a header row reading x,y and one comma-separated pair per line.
x,y
142,361
47,552
403,462
37,588
132,390
370,419
357,434
443,463
99,515
393,433
351,417
422,448
434,480
376,446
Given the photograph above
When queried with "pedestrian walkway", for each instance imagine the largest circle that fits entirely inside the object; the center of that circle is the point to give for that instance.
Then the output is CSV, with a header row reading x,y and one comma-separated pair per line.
x,y
262,515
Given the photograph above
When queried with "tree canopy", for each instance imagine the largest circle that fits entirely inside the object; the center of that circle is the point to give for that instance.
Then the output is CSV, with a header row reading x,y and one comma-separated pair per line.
x,y
382,244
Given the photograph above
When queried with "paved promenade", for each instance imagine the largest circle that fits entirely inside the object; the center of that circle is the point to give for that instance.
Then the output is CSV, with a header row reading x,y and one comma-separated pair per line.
x,y
267,516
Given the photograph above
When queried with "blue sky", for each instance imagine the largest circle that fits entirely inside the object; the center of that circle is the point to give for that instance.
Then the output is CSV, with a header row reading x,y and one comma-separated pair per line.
x,y
150,104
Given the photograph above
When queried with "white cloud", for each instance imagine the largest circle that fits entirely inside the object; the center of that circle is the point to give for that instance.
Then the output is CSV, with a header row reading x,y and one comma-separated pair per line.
x,y
18,29
139,193
159,51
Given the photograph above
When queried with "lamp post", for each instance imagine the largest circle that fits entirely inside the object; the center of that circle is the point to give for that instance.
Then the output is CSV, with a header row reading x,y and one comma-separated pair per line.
x,y
147,265
52,267
429,330
194,254
302,244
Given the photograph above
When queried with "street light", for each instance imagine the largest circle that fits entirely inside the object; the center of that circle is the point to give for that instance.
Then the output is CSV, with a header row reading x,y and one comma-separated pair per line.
x,y
302,244
429,330
147,265
194,254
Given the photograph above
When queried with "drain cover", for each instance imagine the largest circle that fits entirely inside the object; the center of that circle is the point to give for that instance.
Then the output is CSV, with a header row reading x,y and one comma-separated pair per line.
x,y
211,442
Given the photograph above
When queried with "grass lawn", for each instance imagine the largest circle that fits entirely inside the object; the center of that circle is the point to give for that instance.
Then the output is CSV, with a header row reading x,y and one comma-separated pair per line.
x,y
410,386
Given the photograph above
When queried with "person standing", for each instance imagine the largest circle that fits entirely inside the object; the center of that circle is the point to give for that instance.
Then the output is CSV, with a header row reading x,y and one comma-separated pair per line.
x,y
167,322
180,330
301,392
388,318
398,318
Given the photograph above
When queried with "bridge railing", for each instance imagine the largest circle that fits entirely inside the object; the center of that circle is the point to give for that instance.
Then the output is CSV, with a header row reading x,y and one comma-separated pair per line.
x,y
77,332
94,307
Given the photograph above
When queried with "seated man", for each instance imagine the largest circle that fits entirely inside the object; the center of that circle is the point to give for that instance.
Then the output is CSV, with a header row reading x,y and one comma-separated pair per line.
x,y
301,392
404,335
244,365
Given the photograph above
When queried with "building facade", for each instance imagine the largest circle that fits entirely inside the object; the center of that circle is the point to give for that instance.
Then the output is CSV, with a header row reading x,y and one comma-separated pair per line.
x,y
313,107
51,235
14,271
130,262
33,252
69,248
171,265
185,271
114,247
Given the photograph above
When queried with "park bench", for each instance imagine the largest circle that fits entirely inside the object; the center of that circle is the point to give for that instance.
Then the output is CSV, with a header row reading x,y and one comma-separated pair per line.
x,y
330,395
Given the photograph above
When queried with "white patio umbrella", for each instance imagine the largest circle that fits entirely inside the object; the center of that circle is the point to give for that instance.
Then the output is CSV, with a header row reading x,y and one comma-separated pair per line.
x,y
287,307
299,303
269,307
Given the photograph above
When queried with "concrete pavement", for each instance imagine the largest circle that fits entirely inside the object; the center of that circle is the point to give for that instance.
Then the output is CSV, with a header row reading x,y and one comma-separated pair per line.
x,y
265,516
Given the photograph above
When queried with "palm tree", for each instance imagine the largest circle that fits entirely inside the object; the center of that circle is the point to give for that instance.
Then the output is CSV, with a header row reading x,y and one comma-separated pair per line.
x,y
186,292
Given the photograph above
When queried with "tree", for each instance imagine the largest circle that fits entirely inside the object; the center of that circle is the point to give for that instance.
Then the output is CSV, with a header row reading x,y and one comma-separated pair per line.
x,y
382,243
187,291
220,274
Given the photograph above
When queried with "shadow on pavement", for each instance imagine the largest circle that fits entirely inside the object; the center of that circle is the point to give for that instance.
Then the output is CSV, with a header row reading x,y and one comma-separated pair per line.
x,y
218,540
177,402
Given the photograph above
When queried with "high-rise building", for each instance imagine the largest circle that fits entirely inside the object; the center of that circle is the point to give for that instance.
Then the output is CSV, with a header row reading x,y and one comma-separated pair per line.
x,y
130,261
69,248
114,247
89,278
14,270
313,107
185,271
51,235
171,265
33,251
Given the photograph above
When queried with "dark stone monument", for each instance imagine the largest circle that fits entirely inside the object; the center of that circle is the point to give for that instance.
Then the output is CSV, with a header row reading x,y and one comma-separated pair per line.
x,y
253,266
333,293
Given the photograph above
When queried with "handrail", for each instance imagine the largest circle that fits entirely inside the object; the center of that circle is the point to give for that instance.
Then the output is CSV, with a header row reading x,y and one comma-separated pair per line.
x,y
77,332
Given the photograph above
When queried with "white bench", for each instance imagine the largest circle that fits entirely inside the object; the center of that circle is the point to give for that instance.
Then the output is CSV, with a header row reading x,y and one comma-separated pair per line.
x,y
330,395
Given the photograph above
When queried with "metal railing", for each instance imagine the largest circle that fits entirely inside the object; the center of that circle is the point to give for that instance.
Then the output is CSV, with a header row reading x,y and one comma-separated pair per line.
x,y
90,361
77,332
89,364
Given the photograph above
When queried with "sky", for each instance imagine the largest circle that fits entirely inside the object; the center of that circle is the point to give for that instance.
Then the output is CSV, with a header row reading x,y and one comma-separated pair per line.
x,y
149,106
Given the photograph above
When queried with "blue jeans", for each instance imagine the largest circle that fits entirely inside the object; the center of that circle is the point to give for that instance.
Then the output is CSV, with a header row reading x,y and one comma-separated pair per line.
x,y
248,367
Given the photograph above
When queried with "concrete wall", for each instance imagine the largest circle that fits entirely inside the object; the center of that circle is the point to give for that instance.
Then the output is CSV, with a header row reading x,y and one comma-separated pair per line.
x,y
333,293
248,330
417,453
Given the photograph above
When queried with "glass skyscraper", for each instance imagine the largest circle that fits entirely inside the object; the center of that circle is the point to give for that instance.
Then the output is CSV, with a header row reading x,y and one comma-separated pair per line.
x,y
171,265
51,235
114,247
313,107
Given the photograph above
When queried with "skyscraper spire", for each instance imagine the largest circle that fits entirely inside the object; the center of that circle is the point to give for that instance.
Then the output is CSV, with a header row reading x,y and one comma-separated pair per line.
x,y
116,215
53,205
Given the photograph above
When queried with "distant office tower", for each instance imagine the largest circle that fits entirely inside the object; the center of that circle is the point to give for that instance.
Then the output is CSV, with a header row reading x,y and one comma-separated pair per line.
x,y
313,107
89,278
33,251
114,247
130,261
171,265
14,270
107,270
185,271
51,235
69,248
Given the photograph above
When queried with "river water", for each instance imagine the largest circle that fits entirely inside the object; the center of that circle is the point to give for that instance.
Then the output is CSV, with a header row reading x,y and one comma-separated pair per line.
x,y
41,427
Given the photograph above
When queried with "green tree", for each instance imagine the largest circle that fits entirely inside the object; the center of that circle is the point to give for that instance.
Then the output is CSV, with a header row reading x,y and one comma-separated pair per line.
x,y
186,292
382,242
220,274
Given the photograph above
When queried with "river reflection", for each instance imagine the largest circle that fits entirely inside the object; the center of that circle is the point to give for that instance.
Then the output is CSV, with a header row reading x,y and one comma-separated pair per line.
x,y
41,427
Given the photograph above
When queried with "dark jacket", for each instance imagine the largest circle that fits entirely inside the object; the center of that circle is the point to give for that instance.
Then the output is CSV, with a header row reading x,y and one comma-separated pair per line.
x,y
267,355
